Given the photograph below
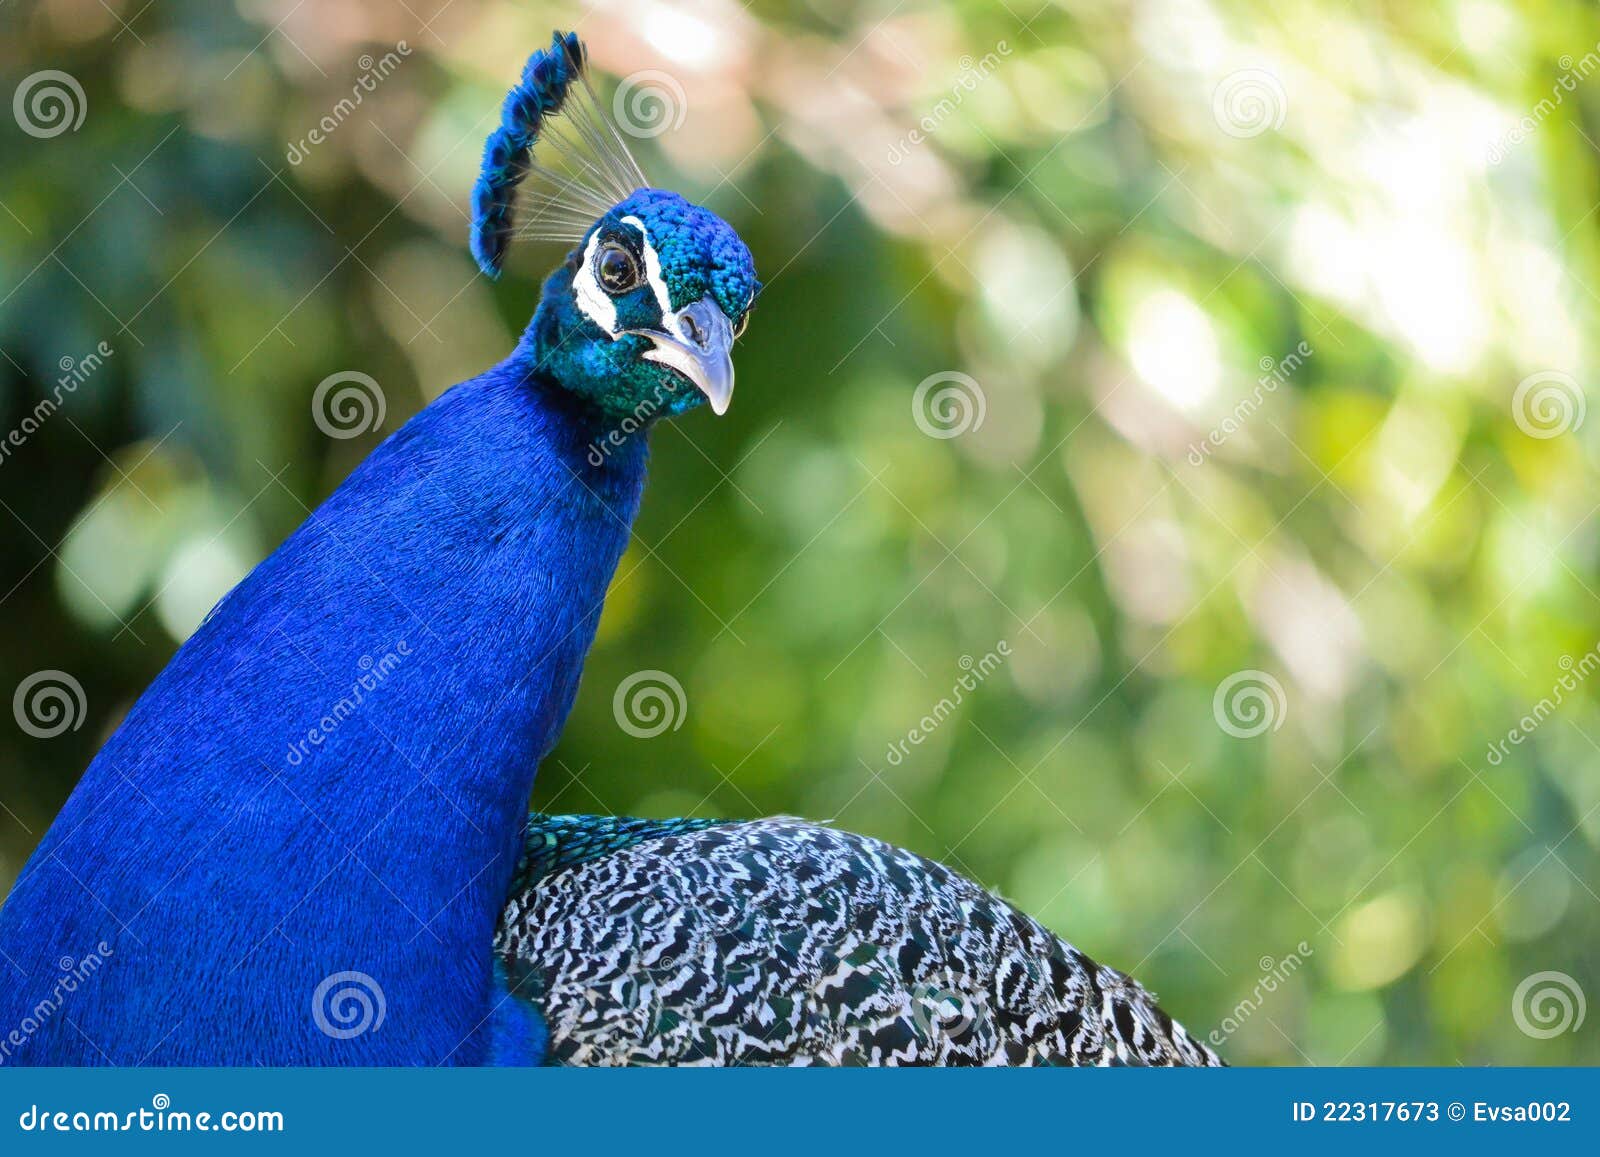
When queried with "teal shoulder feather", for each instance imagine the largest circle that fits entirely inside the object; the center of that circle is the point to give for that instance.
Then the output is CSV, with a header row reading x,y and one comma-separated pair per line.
x,y
556,842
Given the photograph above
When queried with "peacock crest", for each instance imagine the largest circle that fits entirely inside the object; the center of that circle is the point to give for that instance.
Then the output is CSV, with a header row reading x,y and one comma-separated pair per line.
x,y
584,170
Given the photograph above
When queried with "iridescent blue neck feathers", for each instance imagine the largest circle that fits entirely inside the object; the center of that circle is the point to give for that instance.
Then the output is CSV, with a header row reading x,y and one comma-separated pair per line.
x,y
270,822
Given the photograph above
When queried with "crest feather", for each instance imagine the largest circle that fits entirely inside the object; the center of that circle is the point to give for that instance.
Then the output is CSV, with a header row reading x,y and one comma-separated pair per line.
x,y
590,167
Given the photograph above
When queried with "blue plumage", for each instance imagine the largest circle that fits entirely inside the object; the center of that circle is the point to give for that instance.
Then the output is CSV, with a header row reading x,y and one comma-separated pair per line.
x,y
475,547
699,254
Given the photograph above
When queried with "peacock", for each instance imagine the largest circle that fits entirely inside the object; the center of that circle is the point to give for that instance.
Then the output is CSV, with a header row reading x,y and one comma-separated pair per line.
x,y
308,841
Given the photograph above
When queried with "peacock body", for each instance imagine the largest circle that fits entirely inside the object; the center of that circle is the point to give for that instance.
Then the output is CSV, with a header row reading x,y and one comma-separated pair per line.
x,y
242,843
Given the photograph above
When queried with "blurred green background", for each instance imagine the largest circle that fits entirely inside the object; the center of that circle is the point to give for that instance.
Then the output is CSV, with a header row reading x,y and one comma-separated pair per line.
x,y
1273,326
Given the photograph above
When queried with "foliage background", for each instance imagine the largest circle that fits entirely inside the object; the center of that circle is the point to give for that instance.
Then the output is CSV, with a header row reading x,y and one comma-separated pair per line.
x,y
1109,243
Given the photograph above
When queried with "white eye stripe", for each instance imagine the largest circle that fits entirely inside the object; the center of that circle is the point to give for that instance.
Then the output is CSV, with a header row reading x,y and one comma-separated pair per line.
x,y
596,305
652,272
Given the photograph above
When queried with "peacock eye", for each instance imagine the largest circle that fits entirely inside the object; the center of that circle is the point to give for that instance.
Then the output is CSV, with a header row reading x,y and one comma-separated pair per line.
x,y
617,270
741,325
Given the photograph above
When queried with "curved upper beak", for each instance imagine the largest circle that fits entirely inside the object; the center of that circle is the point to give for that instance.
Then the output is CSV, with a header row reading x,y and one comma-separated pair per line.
x,y
697,341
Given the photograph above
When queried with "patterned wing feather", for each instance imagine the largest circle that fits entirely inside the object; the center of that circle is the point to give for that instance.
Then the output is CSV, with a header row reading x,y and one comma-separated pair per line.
x,y
779,942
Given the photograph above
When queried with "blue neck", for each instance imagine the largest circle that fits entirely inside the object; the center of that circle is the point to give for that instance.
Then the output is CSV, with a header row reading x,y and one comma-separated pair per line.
x,y
332,774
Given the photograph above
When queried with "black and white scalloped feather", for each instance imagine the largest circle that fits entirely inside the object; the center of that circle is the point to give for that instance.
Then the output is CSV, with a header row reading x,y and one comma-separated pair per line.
x,y
781,942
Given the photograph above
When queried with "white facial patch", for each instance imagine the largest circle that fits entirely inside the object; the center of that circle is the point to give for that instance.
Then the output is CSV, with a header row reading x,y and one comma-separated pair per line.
x,y
595,303
652,274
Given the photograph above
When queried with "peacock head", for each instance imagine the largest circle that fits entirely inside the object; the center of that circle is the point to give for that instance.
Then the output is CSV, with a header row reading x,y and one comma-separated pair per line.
x,y
641,317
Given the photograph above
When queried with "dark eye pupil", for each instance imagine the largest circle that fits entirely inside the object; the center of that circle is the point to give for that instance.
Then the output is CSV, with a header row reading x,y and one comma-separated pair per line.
x,y
617,271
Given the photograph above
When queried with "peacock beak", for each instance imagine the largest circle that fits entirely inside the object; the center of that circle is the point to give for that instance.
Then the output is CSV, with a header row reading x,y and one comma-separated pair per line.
x,y
697,341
